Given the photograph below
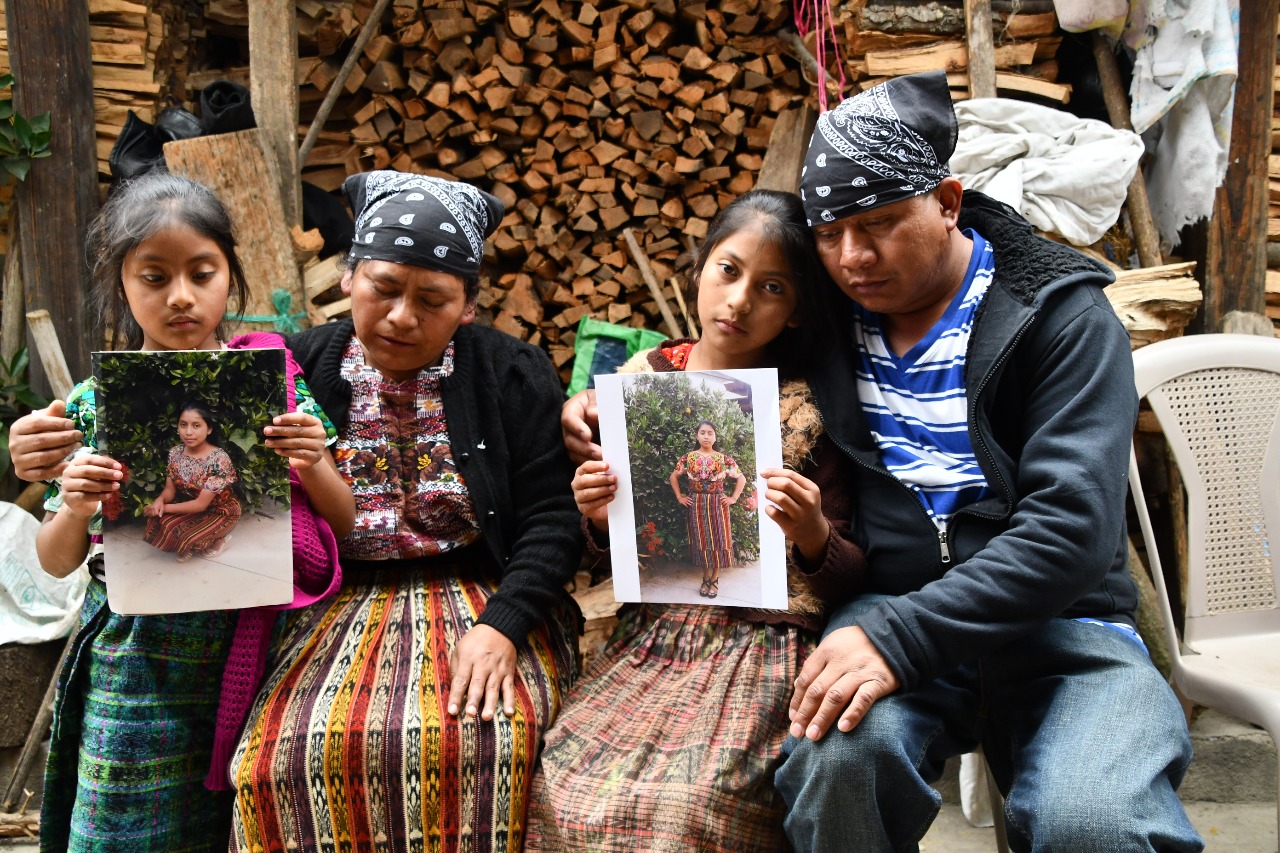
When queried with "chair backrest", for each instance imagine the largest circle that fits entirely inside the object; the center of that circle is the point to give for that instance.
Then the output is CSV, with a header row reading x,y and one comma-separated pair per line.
x,y
1217,398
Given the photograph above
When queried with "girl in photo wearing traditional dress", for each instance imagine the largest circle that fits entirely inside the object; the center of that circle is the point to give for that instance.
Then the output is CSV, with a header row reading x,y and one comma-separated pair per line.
x,y
198,509
670,740
704,471
147,707
407,713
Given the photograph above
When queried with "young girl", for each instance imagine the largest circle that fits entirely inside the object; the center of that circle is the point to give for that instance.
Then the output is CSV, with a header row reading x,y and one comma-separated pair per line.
x,y
199,476
710,537
673,735
145,703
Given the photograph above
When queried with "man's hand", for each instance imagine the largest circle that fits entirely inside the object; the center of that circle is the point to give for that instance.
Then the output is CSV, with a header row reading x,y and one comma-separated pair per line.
x,y
483,666
40,443
579,422
843,678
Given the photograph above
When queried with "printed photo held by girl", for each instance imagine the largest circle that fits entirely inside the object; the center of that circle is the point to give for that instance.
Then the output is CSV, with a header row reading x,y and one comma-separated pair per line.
x,y
669,741
703,473
407,713
148,707
198,509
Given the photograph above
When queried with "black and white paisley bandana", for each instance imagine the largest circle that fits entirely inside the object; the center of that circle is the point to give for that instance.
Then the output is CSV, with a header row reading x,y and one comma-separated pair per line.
x,y
421,221
883,145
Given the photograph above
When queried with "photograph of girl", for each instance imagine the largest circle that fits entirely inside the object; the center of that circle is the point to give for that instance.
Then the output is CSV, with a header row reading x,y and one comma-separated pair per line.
x,y
703,472
198,508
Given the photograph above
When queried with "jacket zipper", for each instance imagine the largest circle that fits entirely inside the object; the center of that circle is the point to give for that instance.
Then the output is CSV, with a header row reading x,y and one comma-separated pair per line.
x,y
944,549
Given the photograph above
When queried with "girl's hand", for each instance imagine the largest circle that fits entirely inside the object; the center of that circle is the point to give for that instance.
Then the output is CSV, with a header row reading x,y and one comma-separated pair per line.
x,y
87,480
685,500
727,500
796,505
483,666
155,509
593,491
40,443
297,436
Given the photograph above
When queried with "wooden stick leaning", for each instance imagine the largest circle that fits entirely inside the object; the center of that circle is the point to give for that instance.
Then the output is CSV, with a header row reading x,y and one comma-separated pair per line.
x,y
371,26
642,261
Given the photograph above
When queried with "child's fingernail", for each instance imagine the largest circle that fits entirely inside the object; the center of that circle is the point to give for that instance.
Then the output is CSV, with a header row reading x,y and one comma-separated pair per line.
x,y
471,709
796,730
453,709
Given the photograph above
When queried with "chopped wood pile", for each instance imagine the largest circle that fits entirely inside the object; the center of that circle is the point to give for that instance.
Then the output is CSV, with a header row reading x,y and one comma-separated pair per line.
x,y
584,118
138,47
1273,211
882,40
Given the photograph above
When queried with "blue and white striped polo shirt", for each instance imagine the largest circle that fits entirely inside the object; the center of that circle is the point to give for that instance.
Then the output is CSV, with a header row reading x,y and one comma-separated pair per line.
x,y
915,404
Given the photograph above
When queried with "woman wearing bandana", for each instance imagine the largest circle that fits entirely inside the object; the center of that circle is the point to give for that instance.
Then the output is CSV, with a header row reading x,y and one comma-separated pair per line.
x,y
407,711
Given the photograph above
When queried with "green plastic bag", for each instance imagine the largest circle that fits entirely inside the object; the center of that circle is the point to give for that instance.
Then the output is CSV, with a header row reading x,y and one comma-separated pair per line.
x,y
600,348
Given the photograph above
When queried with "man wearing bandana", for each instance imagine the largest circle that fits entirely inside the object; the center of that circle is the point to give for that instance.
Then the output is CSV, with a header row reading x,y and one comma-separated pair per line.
x,y
985,391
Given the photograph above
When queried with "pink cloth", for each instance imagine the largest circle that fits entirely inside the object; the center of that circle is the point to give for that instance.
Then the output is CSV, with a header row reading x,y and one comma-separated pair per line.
x,y
316,575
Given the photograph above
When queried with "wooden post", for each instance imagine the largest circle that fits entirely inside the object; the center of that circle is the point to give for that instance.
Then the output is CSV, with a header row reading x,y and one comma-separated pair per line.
x,y
11,328
49,52
982,58
1236,256
44,337
273,88
1113,94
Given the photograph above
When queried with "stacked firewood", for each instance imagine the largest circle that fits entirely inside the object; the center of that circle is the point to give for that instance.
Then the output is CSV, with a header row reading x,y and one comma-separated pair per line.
x,y
880,40
585,118
137,46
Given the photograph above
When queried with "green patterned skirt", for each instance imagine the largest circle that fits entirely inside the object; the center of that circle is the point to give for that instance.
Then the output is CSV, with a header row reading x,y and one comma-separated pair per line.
x,y
133,728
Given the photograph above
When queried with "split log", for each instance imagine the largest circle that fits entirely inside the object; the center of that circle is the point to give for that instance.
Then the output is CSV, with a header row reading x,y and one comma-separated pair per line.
x,y
1155,303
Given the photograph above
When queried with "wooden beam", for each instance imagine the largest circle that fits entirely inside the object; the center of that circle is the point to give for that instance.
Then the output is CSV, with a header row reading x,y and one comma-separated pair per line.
x,y
788,143
1117,101
273,88
982,58
49,54
1236,258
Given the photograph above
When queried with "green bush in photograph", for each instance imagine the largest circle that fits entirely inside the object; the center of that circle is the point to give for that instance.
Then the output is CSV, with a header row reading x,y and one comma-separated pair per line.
x,y
139,398
662,422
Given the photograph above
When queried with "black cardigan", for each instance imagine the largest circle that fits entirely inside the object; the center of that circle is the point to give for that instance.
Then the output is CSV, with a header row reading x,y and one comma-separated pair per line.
x,y
502,404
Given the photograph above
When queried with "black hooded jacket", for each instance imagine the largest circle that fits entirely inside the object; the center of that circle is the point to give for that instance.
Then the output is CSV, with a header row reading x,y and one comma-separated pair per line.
x,y
1052,406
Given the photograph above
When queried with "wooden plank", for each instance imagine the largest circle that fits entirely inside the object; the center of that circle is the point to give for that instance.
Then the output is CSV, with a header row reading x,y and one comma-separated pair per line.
x,y
49,44
44,336
982,59
235,167
273,88
946,56
788,143
1235,257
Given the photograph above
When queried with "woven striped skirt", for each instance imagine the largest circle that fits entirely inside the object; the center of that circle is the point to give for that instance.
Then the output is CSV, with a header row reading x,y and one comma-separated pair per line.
x,y
349,746
710,537
184,534
133,731
670,741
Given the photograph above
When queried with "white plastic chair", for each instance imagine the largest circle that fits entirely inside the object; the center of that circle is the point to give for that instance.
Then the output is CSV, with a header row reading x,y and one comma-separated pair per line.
x,y
1217,398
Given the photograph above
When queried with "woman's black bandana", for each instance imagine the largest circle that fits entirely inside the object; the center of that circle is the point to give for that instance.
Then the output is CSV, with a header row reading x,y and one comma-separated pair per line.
x,y
421,221
889,143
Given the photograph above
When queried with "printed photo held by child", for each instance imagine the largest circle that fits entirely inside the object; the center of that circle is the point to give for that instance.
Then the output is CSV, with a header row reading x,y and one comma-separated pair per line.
x,y
147,707
198,509
669,741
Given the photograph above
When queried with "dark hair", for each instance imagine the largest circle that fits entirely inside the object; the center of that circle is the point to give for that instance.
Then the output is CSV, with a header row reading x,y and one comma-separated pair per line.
x,y
715,445
470,286
781,218
210,421
136,211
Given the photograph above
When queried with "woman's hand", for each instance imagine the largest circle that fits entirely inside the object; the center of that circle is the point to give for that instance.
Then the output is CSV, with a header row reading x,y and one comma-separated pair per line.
x,y
593,491
298,437
87,480
155,509
483,666
684,500
728,500
40,443
579,420
797,508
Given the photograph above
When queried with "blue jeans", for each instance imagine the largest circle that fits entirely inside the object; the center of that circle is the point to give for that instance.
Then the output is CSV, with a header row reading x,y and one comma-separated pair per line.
x,y
1080,730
